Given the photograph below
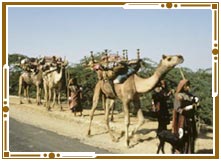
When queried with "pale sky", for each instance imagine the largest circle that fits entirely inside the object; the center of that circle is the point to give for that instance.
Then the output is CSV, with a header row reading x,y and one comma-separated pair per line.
x,y
73,32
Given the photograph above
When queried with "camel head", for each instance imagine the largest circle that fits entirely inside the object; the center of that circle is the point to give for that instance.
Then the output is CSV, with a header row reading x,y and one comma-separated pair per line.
x,y
64,63
170,61
93,65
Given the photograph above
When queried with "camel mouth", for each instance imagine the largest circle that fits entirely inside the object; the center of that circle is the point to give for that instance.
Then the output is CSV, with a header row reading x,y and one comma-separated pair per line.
x,y
181,59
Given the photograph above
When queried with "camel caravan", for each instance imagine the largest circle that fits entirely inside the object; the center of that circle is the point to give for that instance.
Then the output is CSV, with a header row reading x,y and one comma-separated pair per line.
x,y
116,79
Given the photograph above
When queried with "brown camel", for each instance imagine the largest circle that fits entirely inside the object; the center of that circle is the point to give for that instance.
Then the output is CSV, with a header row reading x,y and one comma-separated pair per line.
x,y
129,92
53,82
27,79
98,92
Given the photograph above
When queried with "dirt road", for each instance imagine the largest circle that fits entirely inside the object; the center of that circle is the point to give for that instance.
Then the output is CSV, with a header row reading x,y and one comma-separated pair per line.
x,y
65,123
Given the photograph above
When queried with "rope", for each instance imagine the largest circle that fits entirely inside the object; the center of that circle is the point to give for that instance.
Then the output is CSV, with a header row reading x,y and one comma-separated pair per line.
x,y
181,72
49,71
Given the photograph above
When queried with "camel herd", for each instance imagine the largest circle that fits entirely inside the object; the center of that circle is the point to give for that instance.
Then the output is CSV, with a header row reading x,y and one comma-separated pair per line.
x,y
127,91
45,75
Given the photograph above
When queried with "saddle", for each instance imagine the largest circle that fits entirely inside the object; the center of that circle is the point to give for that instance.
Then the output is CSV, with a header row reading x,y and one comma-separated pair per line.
x,y
122,74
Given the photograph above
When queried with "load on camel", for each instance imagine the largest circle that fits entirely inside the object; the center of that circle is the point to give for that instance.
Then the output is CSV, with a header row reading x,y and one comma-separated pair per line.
x,y
128,92
114,67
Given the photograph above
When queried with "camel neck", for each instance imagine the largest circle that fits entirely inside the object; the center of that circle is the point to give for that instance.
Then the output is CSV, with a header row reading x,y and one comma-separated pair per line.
x,y
58,75
161,70
146,84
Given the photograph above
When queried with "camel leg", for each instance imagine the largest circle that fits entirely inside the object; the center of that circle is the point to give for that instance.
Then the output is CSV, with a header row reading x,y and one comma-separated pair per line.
x,y
54,97
27,91
40,94
59,100
139,114
49,99
45,95
103,102
126,121
37,95
97,92
104,107
112,112
19,90
109,104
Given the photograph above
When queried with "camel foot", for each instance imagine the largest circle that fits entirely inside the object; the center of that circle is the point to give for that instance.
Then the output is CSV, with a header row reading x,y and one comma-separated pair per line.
x,y
39,103
21,102
122,133
132,133
89,133
127,144
29,101
115,139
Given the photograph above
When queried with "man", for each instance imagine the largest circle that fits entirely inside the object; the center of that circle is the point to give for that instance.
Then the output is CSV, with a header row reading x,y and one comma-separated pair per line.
x,y
159,102
75,96
184,124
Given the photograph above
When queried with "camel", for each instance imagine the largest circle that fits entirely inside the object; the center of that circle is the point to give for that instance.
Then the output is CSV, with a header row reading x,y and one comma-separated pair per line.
x,y
53,82
27,79
128,92
99,92
99,88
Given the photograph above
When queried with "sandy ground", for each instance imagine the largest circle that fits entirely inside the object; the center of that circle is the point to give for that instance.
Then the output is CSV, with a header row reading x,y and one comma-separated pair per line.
x,y
65,123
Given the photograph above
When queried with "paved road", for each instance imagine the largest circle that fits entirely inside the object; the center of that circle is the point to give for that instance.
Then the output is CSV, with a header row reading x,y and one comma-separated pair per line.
x,y
27,138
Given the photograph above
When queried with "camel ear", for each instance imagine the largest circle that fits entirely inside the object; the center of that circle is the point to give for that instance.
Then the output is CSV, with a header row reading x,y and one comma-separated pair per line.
x,y
65,63
164,56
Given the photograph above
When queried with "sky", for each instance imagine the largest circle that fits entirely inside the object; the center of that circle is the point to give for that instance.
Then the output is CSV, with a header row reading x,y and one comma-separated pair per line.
x,y
73,32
